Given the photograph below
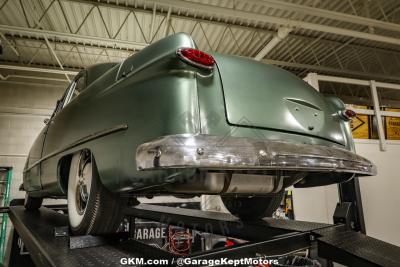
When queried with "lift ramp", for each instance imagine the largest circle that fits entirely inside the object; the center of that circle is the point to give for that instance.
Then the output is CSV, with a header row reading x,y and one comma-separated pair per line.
x,y
268,237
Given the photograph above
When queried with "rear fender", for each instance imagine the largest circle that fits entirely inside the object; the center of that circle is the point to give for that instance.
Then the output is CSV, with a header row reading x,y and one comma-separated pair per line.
x,y
154,53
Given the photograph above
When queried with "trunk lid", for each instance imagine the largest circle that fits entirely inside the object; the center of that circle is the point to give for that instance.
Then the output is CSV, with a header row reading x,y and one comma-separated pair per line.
x,y
265,96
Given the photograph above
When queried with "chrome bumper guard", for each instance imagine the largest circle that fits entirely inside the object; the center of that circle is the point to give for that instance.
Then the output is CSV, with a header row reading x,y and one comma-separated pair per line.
x,y
223,153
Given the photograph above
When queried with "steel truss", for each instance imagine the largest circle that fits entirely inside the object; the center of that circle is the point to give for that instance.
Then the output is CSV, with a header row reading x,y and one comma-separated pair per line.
x,y
294,50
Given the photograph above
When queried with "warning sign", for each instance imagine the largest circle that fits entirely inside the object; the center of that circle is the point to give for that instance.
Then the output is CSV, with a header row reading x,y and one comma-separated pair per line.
x,y
360,124
392,125
360,127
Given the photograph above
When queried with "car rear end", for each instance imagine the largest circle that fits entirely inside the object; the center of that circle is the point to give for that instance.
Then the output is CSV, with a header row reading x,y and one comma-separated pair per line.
x,y
261,129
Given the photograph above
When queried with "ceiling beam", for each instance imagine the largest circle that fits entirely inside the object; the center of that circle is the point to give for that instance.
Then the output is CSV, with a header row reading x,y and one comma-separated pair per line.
x,y
251,18
13,48
324,13
179,14
72,38
122,45
344,72
285,64
244,16
35,69
30,77
20,43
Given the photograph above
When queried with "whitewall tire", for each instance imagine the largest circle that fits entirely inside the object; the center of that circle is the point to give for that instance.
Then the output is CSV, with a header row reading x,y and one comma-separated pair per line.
x,y
92,209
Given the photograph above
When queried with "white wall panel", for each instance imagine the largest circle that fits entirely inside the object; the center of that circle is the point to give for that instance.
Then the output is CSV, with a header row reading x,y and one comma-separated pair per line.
x,y
315,204
380,194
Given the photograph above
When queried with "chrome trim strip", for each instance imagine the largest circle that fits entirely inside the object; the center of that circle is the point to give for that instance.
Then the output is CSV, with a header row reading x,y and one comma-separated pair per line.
x,y
81,141
230,153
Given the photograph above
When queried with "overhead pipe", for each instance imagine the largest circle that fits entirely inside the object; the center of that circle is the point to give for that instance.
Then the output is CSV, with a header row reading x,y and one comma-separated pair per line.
x,y
281,34
167,22
55,56
34,69
7,77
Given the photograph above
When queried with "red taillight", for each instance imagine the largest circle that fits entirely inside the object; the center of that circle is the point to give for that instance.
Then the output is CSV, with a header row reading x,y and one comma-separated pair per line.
x,y
229,243
348,114
196,58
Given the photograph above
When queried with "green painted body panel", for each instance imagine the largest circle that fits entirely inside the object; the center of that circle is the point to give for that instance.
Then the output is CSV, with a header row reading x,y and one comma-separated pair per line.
x,y
155,94
214,119
275,99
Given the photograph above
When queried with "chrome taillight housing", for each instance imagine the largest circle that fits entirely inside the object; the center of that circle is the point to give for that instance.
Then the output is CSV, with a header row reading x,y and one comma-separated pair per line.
x,y
196,58
348,114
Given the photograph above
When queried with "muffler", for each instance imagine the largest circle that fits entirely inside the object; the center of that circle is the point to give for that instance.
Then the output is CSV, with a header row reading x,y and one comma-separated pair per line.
x,y
228,183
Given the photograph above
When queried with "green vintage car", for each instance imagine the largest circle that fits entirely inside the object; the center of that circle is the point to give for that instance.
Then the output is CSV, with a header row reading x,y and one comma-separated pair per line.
x,y
173,120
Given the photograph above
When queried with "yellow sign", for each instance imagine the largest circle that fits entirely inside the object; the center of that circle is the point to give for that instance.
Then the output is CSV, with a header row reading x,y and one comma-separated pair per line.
x,y
393,126
360,124
360,127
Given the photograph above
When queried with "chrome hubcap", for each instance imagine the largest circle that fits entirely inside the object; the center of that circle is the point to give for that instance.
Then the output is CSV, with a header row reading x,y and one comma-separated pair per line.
x,y
83,184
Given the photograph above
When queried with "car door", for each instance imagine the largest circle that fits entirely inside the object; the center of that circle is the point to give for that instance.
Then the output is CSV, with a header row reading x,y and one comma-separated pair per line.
x,y
57,140
33,167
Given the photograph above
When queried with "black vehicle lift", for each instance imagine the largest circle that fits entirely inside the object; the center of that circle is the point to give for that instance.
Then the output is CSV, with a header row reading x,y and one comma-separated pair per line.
x,y
45,236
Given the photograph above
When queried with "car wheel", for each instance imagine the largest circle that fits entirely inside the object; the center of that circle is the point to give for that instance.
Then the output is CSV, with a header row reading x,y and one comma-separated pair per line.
x,y
32,203
92,209
255,207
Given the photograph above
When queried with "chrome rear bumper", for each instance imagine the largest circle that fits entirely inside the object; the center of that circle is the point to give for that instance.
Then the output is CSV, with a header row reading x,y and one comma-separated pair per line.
x,y
230,153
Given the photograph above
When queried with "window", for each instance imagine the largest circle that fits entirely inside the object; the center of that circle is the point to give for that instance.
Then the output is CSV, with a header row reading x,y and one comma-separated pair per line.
x,y
68,94
75,88
79,87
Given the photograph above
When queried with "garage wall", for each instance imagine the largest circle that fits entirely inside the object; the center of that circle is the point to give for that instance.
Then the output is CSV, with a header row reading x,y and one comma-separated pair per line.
x,y
380,194
315,204
23,107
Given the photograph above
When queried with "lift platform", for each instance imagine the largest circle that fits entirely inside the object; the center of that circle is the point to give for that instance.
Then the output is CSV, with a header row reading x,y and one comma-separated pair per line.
x,y
44,233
